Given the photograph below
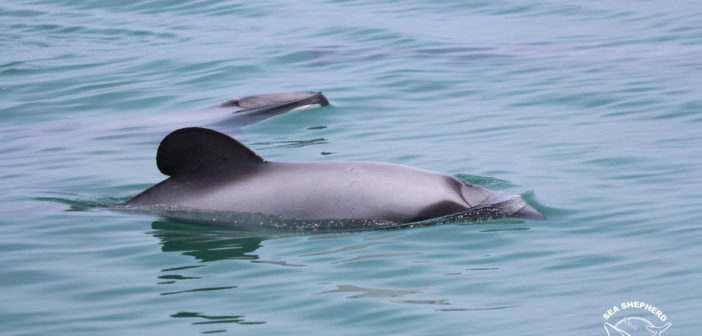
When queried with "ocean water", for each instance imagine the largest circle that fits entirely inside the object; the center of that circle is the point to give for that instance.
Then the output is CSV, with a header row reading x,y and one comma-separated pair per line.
x,y
591,110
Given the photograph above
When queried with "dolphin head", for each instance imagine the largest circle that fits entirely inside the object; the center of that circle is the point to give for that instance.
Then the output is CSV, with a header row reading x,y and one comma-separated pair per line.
x,y
507,205
523,210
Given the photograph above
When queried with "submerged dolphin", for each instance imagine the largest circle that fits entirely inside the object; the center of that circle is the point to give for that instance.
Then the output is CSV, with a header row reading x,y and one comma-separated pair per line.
x,y
212,172
267,105
252,109
229,117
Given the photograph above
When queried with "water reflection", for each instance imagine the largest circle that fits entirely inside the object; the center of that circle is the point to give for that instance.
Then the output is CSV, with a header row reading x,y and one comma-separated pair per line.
x,y
214,319
206,243
262,145
362,292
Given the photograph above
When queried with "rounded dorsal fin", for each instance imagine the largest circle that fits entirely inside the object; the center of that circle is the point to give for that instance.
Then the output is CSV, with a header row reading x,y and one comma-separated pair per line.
x,y
194,149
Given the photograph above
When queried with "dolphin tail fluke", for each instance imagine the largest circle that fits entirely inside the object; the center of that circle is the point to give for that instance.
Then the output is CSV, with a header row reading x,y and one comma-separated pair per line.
x,y
656,331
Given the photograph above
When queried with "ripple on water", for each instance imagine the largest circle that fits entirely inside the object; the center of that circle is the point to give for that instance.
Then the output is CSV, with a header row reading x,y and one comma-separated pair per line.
x,y
589,110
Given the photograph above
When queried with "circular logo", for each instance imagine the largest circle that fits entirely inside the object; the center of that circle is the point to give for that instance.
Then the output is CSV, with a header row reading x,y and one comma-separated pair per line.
x,y
638,318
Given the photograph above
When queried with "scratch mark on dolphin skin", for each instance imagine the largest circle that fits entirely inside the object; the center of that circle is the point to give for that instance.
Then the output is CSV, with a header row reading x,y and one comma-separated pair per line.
x,y
346,202
354,176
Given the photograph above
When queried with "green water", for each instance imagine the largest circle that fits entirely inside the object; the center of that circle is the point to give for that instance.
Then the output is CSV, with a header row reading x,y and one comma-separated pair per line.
x,y
592,111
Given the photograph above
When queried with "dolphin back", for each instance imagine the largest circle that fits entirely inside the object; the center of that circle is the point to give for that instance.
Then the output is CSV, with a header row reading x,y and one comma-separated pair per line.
x,y
275,100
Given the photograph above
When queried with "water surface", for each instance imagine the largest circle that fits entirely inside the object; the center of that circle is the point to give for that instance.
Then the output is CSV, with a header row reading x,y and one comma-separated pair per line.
x,y
590,110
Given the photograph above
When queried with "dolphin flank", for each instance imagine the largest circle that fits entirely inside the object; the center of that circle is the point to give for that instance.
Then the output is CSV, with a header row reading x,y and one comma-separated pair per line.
x,y
212,172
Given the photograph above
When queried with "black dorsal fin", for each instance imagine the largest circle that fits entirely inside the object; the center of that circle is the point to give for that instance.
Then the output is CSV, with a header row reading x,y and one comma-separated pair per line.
x,y
194,149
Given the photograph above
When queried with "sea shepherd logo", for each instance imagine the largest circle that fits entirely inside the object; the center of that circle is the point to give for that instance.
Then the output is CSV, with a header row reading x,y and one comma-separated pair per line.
x,y
640,319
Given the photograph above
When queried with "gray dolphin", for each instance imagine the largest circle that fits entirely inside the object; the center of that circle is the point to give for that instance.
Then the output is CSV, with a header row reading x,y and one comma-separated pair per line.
x,y
229,117
287,100
212,172
252,109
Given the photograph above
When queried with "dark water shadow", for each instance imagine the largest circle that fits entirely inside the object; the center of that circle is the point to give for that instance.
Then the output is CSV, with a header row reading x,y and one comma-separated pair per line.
x,y
214,319
206,243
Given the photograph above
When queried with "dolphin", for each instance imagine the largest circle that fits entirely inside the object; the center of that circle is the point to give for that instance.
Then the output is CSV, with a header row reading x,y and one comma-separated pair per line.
x,y
229,117
252,109
269,101
211,172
